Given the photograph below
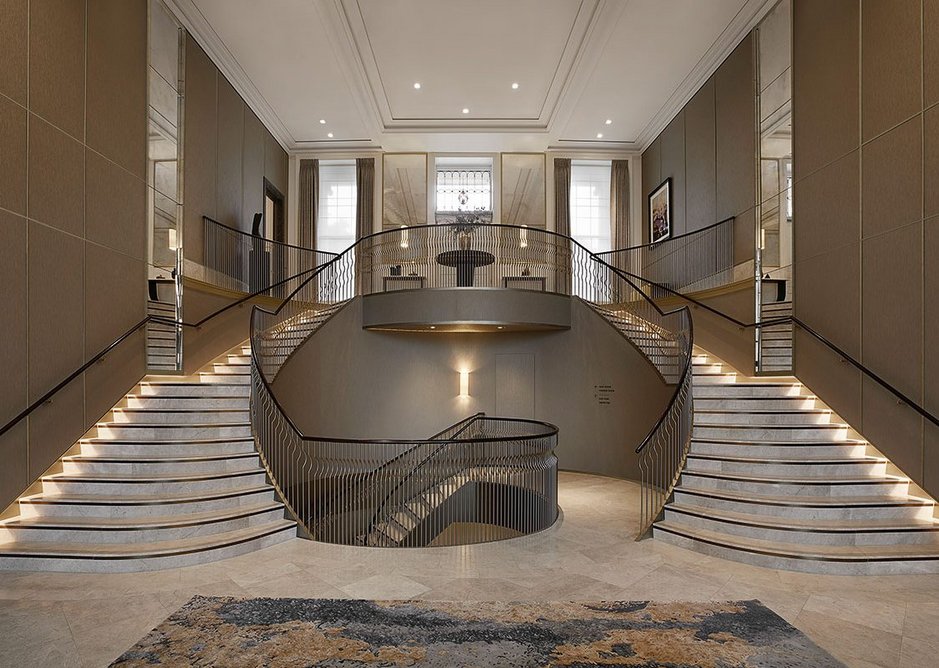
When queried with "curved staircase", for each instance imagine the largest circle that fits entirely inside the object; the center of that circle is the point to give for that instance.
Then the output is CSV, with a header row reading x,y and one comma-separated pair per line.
x,y
774,478
172,478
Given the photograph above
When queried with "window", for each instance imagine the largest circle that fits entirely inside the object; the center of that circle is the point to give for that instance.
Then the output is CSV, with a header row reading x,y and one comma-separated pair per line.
x,y
590,203
335,211
463,183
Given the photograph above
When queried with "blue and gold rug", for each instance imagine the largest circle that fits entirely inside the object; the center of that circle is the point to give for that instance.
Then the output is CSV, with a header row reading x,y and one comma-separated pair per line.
x,y
332,633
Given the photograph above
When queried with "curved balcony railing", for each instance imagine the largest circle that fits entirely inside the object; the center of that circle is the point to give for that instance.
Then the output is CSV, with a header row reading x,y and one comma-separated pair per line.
x,y
397,493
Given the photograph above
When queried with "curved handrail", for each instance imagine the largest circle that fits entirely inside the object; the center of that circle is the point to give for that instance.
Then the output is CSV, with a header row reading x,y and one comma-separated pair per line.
x,y
784,320
162,320
229,228
677,237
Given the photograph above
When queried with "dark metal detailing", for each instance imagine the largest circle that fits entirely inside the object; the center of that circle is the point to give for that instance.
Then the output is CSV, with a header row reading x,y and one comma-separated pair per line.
x,y
496,472
244,262
697,260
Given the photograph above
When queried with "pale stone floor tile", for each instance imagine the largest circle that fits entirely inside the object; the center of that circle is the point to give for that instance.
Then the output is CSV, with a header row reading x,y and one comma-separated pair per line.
x,y
300,585
919,652
385,587
878,615
922,621
851,643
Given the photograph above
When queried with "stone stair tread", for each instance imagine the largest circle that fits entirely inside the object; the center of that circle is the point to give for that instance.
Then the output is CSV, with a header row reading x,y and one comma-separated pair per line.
x,y
133,409
826,525
813,461
186,425
807,501
168,441
794,442
765,425
140,550
110,499
149,459
165,477
767,411
826,480
144,522
842,553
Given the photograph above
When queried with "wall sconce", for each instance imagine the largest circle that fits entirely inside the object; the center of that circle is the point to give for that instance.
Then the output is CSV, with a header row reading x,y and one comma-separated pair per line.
x,y
404,236
464,384
171,239
523,237
762,239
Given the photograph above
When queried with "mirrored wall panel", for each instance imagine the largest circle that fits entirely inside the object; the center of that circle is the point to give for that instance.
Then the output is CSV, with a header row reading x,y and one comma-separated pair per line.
x,y
523,189
404,190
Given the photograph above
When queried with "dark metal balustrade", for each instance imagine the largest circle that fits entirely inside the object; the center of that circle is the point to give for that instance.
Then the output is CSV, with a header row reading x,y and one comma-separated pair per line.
x,y
487,477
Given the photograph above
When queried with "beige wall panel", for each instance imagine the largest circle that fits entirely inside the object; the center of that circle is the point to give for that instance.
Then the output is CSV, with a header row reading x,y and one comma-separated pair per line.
x,y
744,236
891,63
275,163
723,338
57,63
231,130
892,179
931,51
828,208
13,48
253,169
894,429
117,82
201,147
14,478
700,159
828,296
825,88
835,382
56,178
931,160
931,316
930,458
13,149
107,382
734,93
672,142
892,325
56,308
115,207
13,305
651,178
54,427
115,296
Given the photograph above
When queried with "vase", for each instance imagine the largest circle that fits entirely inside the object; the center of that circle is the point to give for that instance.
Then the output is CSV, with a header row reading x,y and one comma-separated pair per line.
x,y
464,240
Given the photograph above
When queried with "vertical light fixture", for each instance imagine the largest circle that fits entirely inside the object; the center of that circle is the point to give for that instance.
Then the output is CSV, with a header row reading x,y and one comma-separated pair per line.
x,y
171,239
404,236
523,237
464,383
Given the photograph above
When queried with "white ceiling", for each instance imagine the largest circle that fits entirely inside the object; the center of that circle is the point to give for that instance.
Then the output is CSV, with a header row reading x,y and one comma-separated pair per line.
x,y
353,63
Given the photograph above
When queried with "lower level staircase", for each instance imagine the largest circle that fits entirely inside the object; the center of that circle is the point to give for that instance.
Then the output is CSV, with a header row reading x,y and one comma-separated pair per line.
x,y
171,478
775,478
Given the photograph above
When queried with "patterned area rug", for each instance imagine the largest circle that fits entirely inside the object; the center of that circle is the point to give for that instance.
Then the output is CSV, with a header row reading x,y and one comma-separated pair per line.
x,y
234,632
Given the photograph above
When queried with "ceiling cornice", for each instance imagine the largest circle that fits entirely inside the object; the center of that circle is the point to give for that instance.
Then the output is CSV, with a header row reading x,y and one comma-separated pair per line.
x,y
194,21
742,24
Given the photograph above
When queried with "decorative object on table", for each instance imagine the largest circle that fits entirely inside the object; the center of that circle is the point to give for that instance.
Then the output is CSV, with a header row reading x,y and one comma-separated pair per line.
x,y
396,270
526,271
210,631
660,212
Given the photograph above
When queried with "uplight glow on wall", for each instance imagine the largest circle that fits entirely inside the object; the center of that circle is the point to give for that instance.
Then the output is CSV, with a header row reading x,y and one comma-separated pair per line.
x,y
404,236
464,383
523,237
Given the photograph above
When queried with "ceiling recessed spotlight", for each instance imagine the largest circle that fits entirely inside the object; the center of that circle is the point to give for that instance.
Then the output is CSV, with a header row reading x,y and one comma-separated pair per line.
x,y
417,85
433,327
514,86
501,327
322,121
465,110
599,135
609,121
329,134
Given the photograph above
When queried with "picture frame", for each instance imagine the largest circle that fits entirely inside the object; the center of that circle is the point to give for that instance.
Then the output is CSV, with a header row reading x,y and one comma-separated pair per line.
x,y
660,212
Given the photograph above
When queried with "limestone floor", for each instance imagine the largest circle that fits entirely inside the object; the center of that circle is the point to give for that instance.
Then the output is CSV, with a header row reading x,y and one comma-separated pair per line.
x,y
89,619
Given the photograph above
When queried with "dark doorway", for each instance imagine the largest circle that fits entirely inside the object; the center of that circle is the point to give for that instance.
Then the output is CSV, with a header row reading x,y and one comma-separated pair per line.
x,y
275,229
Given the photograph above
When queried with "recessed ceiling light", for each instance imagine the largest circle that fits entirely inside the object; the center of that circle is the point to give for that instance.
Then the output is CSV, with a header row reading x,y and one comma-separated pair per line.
x,y
501,327
417,85
465,110
322,121
599,135
609,121
329,134
514,86
433,327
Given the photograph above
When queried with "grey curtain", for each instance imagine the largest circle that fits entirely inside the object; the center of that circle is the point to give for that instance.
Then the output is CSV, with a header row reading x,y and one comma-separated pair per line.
x,y
364,197
309,197
562,222
619,210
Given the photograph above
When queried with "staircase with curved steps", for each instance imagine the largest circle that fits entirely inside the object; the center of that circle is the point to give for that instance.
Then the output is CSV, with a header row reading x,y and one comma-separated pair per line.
x,y
172,478
774,478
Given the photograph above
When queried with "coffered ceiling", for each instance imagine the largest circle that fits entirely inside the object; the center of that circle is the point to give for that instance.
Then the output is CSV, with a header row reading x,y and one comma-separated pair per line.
x,y
577,63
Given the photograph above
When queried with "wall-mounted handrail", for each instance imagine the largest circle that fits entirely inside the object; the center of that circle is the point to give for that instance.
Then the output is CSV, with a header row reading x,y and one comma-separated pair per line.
x,y
248,235
677,237
791,319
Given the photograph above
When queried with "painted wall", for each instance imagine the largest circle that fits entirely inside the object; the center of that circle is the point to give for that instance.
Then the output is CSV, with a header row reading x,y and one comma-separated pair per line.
x,y
866,153
228,154
352,383
709,152
73,114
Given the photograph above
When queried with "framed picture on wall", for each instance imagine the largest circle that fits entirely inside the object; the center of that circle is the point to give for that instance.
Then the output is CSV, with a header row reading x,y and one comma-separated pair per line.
x,y
660,212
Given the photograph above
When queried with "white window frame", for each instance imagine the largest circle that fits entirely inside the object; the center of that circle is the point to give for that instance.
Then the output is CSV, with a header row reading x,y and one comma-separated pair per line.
x,y
590,214
336,205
